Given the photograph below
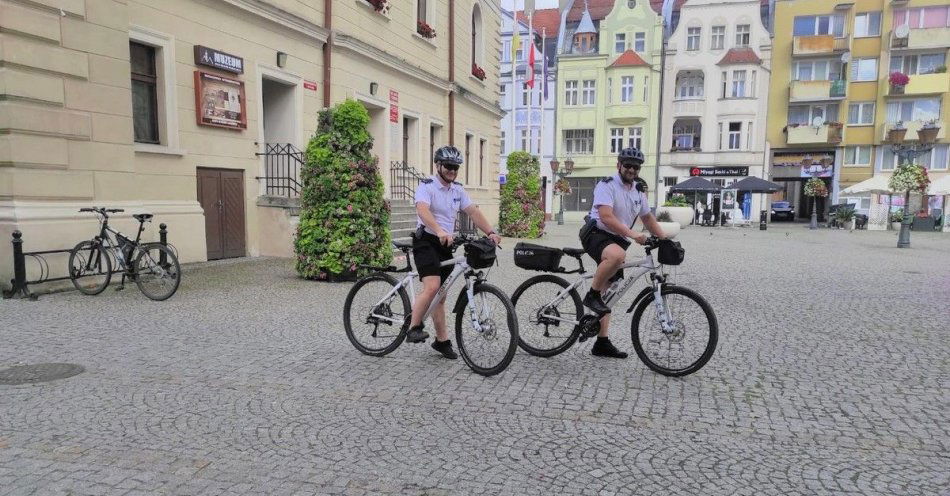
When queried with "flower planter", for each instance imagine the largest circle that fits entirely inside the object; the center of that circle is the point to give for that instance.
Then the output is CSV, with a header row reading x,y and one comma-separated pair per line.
x,y
928,134
895,226
671,229
896,135
897,90
680,215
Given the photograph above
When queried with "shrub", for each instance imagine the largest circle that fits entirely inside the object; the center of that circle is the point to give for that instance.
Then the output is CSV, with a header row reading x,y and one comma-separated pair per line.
x,y
344,221
677,201
664,216
521,215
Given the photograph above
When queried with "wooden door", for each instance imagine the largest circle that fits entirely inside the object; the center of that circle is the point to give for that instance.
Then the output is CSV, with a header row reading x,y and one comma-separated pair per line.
x,y
221,195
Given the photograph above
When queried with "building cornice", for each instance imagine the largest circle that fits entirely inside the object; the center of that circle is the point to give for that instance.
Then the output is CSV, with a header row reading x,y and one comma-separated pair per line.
x,y
494,108
359,47
268,11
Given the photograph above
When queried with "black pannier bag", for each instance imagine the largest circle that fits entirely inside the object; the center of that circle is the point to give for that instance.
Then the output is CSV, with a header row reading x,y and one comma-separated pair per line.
x,y
671,252
537,257
480,254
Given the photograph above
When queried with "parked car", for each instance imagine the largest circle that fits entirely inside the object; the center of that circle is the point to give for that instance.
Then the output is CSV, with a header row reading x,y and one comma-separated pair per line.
x,y
782,210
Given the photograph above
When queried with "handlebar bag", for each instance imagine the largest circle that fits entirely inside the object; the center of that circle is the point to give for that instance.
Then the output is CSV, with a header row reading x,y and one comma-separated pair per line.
x,y
480,254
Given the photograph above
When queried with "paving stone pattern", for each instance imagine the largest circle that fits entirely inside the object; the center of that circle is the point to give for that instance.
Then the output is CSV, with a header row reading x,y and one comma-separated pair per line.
x,y
831,377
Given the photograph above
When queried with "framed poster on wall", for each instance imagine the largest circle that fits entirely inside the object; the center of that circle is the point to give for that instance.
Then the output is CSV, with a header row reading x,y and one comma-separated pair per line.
x,y
220,101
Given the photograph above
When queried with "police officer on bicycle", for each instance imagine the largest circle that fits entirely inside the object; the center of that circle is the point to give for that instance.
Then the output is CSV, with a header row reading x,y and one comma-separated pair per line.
x,y
439,199
618,201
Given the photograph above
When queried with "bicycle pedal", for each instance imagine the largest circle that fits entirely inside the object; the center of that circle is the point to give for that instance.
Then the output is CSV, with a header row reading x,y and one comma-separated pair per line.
x,y
119,288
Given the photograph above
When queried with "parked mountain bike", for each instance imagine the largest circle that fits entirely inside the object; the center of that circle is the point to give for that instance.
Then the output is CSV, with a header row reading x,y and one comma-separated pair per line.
x,y
378,310
153,266
674,330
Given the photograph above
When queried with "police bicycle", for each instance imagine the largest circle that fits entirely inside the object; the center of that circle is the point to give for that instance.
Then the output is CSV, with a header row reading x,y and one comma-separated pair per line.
x,y
152,266
378,309
674,330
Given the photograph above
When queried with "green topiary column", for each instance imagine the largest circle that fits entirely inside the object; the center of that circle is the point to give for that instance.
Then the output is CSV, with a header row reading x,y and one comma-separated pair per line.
x,y
344,220
521,215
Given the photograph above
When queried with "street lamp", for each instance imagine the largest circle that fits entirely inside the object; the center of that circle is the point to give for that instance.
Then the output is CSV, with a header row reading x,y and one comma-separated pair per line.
x,y
908,153
561,173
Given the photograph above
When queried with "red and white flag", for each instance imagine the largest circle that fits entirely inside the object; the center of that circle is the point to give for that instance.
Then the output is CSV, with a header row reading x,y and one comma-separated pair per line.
x,y
530,83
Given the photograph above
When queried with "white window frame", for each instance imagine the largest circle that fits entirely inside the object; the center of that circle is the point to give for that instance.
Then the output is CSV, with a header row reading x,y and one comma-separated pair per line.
x,y
865,109
814,67
718,39
615,144
626,89
734,137
852,155
166,89
620,42
856,69
570,93
639,42
501,143
525,140
646,88
743,33
635,137
589,92
506,51
914,109
690,87
574,138
738,84
610,90
862,24
693,38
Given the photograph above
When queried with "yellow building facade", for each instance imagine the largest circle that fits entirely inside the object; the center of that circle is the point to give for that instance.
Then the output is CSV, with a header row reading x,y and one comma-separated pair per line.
x,y
830,101
197,111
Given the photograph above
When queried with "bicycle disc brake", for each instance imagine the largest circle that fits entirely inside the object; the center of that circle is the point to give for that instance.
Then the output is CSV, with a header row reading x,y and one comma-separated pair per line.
x,y
590,326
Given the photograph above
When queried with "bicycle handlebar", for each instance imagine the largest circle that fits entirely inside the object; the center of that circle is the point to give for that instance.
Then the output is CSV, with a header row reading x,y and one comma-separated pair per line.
x,y
102,210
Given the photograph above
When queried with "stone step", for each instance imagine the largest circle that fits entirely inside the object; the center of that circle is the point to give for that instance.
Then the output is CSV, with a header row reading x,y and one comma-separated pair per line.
x,y
402,233
402,224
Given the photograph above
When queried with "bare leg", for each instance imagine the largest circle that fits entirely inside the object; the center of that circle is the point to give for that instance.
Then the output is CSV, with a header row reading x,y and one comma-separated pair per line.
x,y
611,259
438,317
604,326
430,286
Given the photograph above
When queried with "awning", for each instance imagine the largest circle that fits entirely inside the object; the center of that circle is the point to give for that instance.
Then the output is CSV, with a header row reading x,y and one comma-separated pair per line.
x,y
696,184
754,184
877,184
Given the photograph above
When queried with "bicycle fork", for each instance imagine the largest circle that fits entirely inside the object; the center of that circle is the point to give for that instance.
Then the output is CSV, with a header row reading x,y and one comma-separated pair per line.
x,y
470,291
662,310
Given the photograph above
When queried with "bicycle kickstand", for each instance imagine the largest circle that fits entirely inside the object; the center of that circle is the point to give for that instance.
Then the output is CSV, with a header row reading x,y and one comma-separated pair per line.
x,y
121,285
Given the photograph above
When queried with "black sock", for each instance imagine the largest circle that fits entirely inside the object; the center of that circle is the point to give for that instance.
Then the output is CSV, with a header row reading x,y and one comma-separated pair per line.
x,y
594,293
602,338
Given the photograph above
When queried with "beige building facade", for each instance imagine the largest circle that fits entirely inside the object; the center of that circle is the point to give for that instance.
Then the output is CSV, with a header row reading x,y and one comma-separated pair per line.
x,y
197,112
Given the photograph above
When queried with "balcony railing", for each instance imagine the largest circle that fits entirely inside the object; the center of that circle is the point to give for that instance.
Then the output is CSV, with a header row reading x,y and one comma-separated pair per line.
x,y
923,84
811,91
813,135
822,44
912,128
922,39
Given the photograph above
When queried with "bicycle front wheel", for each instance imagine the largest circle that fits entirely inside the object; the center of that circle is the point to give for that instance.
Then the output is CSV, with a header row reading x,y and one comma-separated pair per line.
x,y
488,350
157,271
375,316
90,267
541,330
690,342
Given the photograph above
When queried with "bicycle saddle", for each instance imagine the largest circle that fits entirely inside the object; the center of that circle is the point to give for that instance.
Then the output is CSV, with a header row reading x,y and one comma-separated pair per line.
x,y
403,245
142,217
574,252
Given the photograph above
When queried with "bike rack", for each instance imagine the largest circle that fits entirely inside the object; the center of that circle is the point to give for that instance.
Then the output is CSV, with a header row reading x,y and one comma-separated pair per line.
x,y
19,284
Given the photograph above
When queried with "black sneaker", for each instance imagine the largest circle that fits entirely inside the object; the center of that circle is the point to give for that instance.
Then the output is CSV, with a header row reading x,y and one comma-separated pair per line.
x,y
445,348
595,303
417,334
604,348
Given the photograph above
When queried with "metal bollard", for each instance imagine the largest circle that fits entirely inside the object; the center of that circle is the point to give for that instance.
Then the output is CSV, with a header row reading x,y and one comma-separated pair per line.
x,y
19,269
163,239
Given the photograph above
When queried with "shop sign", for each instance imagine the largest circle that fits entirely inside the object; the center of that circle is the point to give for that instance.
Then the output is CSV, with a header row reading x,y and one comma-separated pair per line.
x,y
220,101
310,85
718,171
217,59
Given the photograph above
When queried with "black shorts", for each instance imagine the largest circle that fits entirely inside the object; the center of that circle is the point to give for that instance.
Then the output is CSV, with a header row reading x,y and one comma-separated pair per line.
x,y
429,253
597,240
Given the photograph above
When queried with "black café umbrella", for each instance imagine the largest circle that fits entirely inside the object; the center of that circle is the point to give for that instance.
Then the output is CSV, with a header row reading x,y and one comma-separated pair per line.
x,y
696,185
754,184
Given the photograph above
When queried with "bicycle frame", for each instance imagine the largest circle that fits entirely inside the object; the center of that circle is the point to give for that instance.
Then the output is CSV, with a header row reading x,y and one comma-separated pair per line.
x,y
461,268
612,295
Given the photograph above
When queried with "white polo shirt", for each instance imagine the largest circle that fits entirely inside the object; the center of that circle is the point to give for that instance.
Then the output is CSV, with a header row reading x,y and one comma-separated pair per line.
x,y
444,202
626,201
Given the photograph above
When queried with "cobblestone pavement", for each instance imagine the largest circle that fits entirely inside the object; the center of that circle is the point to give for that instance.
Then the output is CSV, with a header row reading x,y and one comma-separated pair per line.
x,y
831,377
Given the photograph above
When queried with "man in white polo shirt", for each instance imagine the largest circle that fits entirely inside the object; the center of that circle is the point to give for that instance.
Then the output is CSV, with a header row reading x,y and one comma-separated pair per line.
x,y
438,201
618,201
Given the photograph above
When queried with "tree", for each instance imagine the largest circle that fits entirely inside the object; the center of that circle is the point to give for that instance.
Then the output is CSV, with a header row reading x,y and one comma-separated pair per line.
x,y
521,214
344,220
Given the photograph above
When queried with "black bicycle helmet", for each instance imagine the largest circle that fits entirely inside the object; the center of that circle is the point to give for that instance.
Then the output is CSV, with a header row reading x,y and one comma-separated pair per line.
x,y
448,155
630,154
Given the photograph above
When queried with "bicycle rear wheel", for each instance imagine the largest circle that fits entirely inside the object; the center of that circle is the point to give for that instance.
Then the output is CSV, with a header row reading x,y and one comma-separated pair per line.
x,y
540,330
376,324
157,272
90,267
693,338
488,351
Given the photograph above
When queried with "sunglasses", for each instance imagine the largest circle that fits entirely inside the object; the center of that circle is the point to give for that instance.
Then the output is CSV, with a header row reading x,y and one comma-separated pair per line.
x,y
631,166
451,167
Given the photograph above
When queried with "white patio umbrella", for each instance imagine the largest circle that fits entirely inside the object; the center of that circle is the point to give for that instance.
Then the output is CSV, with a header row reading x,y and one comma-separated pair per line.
x,y
940,187
877,184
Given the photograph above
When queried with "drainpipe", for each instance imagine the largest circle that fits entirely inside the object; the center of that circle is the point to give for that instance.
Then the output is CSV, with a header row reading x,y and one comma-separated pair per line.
x,y
659,120
451,72
327,50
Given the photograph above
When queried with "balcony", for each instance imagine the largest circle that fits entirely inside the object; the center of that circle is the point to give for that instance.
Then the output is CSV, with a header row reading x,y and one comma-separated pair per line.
x,y
627,113
924,84
912,128
689,108
826,134
816,91
823,44
922,39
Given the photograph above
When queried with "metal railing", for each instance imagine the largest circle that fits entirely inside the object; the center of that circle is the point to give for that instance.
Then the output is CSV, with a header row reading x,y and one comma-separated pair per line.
x,y
282,163
403,181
